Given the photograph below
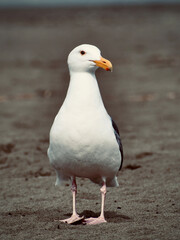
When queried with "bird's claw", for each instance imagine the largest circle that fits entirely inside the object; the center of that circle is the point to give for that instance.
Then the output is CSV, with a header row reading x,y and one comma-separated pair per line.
x,y
74,219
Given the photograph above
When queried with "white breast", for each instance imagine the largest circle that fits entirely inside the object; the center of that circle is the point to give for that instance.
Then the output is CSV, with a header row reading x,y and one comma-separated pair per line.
x,y
82,140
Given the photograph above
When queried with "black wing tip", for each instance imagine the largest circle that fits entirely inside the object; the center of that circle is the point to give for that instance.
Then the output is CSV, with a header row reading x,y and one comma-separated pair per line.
x,y
115,126
117,135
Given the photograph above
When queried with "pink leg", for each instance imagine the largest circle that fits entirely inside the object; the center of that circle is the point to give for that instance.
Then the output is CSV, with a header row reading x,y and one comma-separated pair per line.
x,y
100,219
75,217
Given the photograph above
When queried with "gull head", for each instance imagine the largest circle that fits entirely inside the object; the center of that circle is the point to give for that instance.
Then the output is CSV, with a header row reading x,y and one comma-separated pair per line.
x,y
87,58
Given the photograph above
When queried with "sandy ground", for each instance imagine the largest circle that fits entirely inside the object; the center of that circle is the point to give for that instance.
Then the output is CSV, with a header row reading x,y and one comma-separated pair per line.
x,y
142,95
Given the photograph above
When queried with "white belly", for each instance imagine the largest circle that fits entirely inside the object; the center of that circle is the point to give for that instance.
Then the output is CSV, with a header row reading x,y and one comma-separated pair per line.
x,y
84,146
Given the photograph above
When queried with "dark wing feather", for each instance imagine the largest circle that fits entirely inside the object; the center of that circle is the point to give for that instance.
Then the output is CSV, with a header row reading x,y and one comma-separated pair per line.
x,y
117,135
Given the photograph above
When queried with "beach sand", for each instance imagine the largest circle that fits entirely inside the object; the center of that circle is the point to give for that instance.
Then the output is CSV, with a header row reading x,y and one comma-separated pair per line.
x,y
142,95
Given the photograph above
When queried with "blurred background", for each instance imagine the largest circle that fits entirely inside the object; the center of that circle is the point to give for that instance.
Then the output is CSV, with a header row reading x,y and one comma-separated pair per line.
x,y
70,3
142,40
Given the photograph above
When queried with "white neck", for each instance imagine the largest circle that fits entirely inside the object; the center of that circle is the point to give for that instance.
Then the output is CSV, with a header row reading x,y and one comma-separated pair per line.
x,y
83,91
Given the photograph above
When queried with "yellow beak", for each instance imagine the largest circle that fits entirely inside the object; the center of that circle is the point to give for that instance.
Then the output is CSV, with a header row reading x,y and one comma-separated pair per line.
x,y
104,63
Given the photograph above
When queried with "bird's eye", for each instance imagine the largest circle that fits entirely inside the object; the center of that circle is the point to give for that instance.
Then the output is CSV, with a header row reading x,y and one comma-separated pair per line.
x,y
82,52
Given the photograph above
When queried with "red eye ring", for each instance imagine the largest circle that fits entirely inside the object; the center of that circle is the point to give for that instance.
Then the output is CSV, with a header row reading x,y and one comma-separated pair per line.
x,y
82,52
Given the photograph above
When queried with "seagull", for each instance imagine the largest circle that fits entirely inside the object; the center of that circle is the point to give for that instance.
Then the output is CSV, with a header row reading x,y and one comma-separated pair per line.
x,y
84,140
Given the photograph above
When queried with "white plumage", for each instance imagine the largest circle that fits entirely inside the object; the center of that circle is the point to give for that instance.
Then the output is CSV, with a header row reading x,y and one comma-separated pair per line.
x,y
83,142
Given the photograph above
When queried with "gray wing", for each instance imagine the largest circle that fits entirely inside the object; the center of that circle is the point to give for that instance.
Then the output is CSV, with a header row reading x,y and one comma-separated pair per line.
x,y
117,135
